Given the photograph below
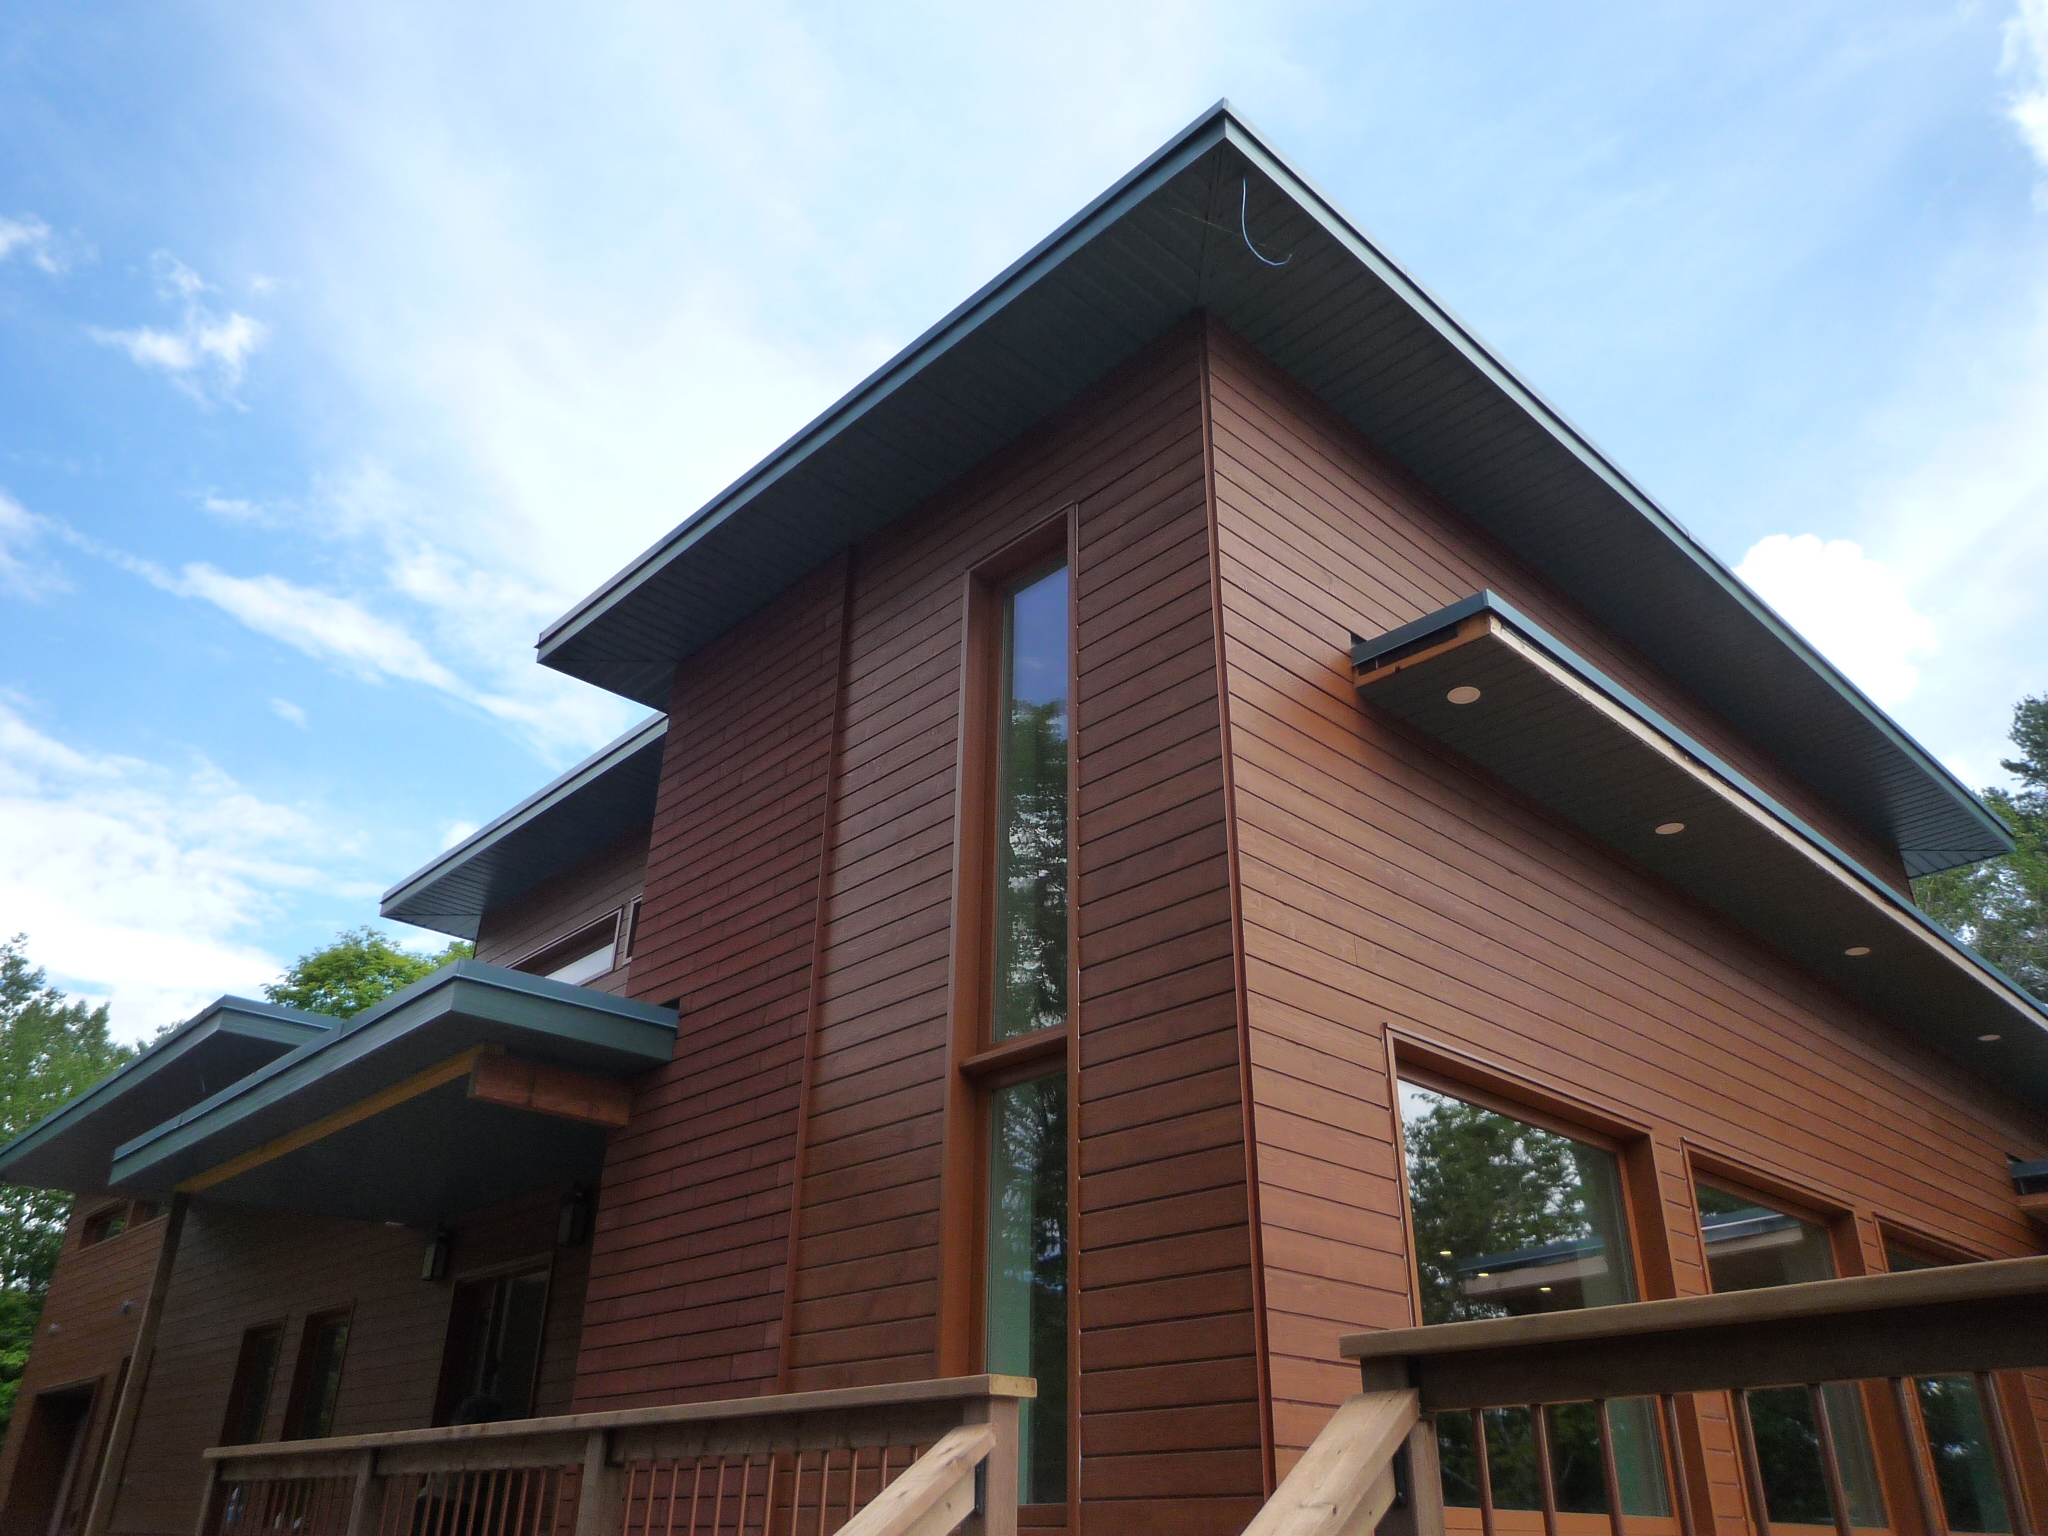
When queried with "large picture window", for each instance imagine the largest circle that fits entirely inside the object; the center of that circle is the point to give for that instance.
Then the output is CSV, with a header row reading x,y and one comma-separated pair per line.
x,y
1750,1245
1511,1219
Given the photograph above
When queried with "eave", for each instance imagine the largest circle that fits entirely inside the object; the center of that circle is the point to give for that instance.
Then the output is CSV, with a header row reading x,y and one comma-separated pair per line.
x,y
1348,323
1560,732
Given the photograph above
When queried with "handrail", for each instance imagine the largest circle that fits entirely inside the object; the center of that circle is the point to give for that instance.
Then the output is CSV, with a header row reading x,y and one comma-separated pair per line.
x,y
1344,1484
906,1459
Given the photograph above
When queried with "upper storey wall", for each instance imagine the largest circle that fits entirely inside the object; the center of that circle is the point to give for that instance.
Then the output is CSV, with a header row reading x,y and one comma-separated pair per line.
x,y
605,882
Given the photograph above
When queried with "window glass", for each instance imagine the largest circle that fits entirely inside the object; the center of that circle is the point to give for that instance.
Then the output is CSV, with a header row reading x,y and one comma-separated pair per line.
x,y
1751,1246
584,967
101,1225
1957,1437
1031,811
317,1382
1027,1269
491,1362
249,1395
1511,1219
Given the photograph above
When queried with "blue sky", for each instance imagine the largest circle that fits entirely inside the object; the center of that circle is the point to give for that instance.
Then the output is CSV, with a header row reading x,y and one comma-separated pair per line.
x,y
342,347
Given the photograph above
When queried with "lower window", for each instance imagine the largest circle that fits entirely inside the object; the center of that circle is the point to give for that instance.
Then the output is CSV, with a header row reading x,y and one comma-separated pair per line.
x,y
1957,1436
1027,1270
491,1364
316,1382
249,1395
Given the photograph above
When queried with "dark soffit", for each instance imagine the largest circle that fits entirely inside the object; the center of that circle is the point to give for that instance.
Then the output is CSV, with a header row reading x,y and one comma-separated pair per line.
x,y
1561,732
1348,323
601,798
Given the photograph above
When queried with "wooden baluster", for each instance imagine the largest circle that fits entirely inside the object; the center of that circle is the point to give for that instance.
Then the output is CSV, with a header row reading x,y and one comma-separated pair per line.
x,y
1993,1409
768,1498
1674,1465
696,1490
739,1519
1610,1474
1482,1467
1830,1459
1933,1520
1546,1474
1752,1468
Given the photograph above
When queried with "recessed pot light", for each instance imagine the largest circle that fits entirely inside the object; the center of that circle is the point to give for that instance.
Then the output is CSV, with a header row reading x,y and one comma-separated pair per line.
x,y
1670,828
1465,693
1988,1039
1443,1253
1857,951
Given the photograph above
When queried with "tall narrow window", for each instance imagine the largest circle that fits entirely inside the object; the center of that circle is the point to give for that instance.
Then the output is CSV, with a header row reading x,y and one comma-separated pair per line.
x,y
1751,1245
1025,1310
316,1383
492,1359
1956,1433
249,1395
1512,1219
1031,811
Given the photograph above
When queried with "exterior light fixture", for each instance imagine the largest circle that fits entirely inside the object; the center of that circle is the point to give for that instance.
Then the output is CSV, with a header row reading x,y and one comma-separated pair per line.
x,y
1988,1039
1482,1275
1543,1288
1670,828
1857,951
1443,1253
1465,693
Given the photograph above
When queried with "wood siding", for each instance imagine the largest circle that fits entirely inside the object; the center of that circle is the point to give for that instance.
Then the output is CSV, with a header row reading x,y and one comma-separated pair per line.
x,y
239,1268
605,882
692,1240
1387,885
83,1337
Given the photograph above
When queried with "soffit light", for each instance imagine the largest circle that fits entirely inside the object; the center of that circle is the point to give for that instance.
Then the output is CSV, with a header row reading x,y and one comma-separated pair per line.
x,y
1464,693
1670,828
1988,1039
1857,951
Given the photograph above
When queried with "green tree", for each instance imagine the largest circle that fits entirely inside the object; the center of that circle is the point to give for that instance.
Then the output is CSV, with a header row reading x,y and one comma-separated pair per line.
x,y
2000,907
360,968
51,1048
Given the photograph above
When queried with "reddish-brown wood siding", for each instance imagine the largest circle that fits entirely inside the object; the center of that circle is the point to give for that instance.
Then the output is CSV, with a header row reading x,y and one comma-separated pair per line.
x,y
84,1335
692,1243
605,882
1386,885
240,1268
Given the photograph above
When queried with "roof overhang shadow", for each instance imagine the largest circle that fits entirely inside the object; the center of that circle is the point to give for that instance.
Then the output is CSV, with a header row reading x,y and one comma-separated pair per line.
x,y
1556,729
471,1087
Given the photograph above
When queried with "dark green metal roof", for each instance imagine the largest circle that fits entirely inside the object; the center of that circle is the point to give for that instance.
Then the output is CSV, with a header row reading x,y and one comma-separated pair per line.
x,y
1558,730
601,798
432,1156
1352,326
221,1044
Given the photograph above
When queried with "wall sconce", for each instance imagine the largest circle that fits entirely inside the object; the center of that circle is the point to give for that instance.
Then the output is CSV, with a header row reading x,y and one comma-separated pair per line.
x,y
434,1261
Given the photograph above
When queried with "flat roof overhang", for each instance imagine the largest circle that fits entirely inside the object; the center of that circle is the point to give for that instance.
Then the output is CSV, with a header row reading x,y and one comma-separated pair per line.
x,y
600,799
1559,731
382,1120
1175,236
72,1148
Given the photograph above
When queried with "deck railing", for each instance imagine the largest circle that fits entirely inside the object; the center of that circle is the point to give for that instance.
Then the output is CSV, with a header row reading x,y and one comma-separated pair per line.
x,y
1681,1364
915,1459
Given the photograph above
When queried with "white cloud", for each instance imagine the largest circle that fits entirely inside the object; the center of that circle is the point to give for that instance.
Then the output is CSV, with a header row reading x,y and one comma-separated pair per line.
x,y
455,832
206,354
20,531
33,237
1853,609
2026,55
286,710
138,884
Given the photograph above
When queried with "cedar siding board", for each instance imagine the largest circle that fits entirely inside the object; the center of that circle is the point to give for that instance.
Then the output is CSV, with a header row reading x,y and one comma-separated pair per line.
x,y
606,881
92,1336
239,1268
692,1239
1388,885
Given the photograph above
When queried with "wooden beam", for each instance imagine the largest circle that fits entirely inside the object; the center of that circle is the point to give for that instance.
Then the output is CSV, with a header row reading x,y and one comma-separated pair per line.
x,y
2036,1207
441,1072
1344,1482
556,1091
934,1494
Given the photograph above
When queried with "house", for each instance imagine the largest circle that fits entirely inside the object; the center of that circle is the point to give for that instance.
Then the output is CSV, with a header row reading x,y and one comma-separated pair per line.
x,y
1188,818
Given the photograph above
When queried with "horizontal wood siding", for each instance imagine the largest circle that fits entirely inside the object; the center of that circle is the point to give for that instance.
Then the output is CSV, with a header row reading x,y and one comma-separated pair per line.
x,y
238,1268
687,1270
1387,884
1169,1381
606,881
84,1335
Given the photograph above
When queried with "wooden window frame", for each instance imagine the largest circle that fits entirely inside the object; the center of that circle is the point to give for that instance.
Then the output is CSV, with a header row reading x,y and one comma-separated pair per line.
x,y
545,955
977,1066
302,1362
236,1382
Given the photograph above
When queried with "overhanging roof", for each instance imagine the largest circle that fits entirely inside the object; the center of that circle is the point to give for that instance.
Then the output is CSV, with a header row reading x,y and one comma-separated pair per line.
x,y
1561,732
222,1043
601,798
373,1121
1176,235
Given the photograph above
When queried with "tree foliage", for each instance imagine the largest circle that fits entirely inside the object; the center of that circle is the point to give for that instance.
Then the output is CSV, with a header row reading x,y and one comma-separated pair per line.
x,y
2000,907
359,969
51,1048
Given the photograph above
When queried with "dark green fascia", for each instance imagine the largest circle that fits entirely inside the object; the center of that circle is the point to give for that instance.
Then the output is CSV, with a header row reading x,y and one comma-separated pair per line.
x,y
1365,651
595,1031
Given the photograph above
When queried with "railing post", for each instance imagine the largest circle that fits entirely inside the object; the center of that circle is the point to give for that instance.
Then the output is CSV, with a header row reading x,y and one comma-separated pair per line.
x,y
598,1508
1422,1512
362,1513
209,1499
999,1489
